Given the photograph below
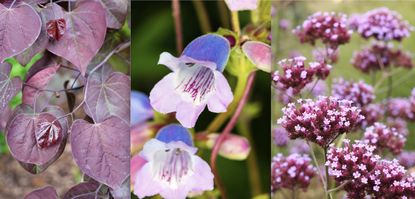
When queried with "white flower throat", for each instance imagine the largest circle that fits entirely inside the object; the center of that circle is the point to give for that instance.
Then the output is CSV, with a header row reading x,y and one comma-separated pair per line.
x,y
172,166
195,82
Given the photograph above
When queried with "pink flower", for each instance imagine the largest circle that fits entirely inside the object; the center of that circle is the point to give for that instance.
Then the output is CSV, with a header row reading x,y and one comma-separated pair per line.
x,y
196,80
172,168
293,171
360,93
384,25
372,113
399,108
330,28
320,120
383,138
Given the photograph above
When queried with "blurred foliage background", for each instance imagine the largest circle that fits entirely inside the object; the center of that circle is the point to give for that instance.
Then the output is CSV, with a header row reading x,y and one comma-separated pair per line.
x,y
284,43
153,33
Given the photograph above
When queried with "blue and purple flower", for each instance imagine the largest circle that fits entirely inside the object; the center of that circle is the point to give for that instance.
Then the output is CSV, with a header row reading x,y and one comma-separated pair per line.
x,y
196,80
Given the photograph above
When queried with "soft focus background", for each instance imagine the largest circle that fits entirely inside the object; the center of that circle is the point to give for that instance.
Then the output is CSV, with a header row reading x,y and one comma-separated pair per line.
x,y
153,33
285,43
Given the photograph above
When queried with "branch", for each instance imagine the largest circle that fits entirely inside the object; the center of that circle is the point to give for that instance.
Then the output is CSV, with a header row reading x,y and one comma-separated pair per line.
x,y
177,25
118,49
53,91
227,131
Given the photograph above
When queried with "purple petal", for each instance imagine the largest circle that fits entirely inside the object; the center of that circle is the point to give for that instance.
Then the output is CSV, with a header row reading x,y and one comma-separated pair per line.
x,y
259,53
169,60
136,163
202,176
209,47
223,96
144,183
150,148
174,132
140,108
237,5
187,113
163,97
139,135
234,147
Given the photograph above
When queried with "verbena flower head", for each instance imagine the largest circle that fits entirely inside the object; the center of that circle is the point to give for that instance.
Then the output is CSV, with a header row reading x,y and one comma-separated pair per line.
x,y
330,28
196,80
384,138
407,159
294,75
384,25
399,124
372,113
320,120
399,108
280,136
172,169
322,69
299,146
366,173
293,171
358,92
380,55
286,96
412,99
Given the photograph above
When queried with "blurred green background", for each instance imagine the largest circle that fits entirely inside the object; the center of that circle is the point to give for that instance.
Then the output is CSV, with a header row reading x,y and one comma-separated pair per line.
x,y
284,43
153,33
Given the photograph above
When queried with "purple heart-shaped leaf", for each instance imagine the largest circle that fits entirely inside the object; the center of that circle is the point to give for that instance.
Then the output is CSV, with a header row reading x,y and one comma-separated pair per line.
x,y
116,12
122,192
83,190
102,150
19,28
108,94
8,87
38,81
84,34
48,192
22,140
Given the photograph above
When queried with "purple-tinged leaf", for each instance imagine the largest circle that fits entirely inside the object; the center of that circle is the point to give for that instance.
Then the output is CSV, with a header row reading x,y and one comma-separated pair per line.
x,y
122,192
86,190
108,94
38,81
8,87
258,53
19,28
48,192
84,35
21,137
4,118
116,12
102,150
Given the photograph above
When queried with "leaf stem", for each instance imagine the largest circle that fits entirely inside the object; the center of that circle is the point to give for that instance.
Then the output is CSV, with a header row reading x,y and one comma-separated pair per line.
x,y
53,91
202,15
177,25
227,131
118,49
235,22
328,183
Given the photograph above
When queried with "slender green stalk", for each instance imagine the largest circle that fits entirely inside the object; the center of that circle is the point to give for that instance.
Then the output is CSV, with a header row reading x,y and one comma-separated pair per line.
x,y
252,161
177,25
202,15
328,183
313,155
235,22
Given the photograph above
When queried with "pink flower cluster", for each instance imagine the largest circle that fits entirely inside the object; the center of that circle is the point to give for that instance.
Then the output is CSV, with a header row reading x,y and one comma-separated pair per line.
x,y
399,108
360,93
280,136
366,174
407,159
321,120
296,75
326,55
286,96
384,25
383,138
380,55
330,28
293,171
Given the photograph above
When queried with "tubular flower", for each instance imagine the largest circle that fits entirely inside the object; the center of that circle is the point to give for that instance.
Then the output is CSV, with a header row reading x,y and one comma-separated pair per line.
x,y
360,93
293,171
399,108
384,25
196,80
140,108
172,169
331,28
382,137
321,120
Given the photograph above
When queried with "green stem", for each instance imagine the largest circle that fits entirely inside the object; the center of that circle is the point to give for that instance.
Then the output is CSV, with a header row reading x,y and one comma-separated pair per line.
x,y
202,15
235,22
215,125
327,175
390,82
253,168
313,155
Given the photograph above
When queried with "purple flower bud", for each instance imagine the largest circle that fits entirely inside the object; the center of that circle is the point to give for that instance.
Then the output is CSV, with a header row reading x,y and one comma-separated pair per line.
x,y
330,28
321,120
359,93
407,159
280,136
293,171
284,24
